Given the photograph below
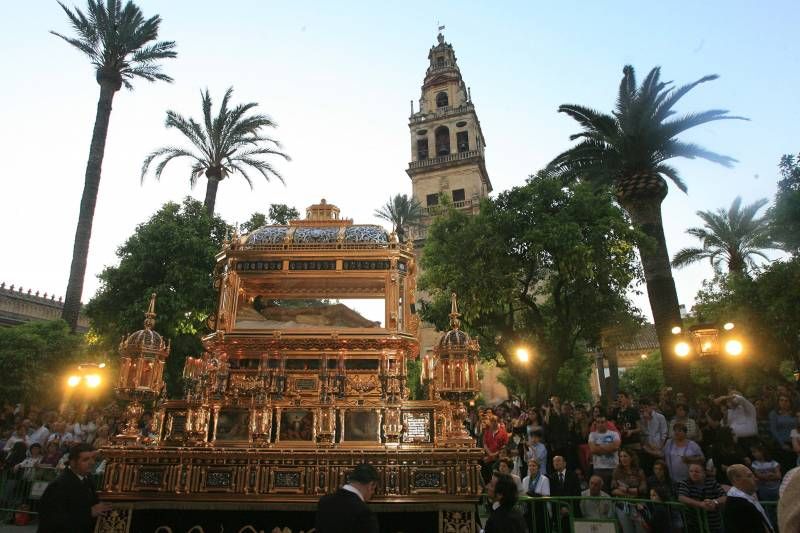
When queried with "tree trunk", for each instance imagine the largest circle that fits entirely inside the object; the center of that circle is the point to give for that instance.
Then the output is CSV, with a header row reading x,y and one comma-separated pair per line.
x,y
645,211
211,195
83,233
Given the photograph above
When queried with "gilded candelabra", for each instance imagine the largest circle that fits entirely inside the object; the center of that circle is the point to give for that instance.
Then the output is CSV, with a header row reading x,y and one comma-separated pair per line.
x,y
142,357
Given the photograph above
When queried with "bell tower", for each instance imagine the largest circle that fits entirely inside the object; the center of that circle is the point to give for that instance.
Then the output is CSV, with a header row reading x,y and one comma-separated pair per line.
x,y
447,144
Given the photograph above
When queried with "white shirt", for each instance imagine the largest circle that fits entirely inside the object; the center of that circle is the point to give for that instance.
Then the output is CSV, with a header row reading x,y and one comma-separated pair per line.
x,y
742,418
40,435
351,488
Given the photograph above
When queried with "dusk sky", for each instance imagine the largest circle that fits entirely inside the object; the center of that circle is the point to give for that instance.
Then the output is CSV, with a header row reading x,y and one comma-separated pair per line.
x,y
338,78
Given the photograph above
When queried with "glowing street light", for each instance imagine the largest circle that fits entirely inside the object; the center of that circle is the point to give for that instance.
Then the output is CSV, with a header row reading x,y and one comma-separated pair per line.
x,y
734,347
523,355
682,349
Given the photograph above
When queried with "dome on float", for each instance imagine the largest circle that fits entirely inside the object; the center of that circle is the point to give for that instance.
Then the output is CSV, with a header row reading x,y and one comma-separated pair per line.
x,y
147,340
321,226
455,339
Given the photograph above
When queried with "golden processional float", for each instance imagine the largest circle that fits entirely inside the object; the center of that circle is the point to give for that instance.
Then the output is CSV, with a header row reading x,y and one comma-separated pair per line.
x,y
294,388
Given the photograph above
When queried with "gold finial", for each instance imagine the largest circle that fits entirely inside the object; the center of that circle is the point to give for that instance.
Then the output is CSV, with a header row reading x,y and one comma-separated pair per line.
x,y
455,323
150,315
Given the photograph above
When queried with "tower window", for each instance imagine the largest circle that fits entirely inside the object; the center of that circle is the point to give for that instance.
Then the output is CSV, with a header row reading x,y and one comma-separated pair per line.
x,y
442,141
462,141
440,61
422,149
432,199
441,99
458,195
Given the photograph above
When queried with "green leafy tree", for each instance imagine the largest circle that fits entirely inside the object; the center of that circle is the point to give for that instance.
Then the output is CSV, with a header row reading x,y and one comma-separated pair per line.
x,y
172,254
732,236
282,214
645,378
543,266
34,357
628,150
122,45
230,143
278,214
766,311
403,212
785,213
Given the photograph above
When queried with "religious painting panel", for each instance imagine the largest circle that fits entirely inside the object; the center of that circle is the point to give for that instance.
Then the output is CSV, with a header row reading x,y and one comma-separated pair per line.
x,y
296,425
232,425
361,426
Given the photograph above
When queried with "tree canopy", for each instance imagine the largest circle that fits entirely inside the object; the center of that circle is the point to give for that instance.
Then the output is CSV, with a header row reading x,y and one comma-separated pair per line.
x,y
785,212
402,212
630,150
735,236
561,260
229,143
765,309
277,214
171,254
34,357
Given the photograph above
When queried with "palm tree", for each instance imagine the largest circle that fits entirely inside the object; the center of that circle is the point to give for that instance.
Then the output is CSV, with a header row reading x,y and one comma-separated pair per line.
x,y
733,237
403,212
122,45
628,150
224,145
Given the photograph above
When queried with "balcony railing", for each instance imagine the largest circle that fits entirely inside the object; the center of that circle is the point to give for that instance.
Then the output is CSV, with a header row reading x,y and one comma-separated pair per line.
x,y
434,210
441,113
443,159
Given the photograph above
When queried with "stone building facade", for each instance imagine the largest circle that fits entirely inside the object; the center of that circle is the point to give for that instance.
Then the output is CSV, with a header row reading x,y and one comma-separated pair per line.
x,y
18,305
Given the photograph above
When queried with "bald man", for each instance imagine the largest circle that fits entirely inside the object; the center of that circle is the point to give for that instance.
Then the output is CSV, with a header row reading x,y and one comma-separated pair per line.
x,y
743,512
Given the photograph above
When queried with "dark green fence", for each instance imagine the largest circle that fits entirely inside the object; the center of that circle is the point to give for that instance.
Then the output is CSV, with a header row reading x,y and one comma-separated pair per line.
x,y
562,514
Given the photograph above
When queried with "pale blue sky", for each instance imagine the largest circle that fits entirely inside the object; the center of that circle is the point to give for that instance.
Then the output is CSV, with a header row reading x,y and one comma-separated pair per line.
x,y
338,78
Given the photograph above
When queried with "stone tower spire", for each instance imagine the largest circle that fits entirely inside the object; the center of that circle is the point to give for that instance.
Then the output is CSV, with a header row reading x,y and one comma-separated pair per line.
x,y
447,144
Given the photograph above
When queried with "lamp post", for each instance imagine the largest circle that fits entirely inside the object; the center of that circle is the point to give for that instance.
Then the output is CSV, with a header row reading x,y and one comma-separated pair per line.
x,y
708,340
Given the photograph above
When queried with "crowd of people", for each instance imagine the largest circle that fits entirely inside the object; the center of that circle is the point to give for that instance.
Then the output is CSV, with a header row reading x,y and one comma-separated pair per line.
x,y
35,441
652,452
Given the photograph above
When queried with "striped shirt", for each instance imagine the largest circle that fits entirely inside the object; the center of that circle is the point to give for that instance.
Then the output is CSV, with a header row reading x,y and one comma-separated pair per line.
x,y
708,490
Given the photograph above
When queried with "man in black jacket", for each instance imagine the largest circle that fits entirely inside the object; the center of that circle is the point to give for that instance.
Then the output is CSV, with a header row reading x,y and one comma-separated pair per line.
x,y
504,518
346,511
564,482
69,504
743,513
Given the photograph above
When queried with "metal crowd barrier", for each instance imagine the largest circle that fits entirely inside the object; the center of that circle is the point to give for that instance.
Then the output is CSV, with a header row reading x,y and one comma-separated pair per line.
x,y
545,515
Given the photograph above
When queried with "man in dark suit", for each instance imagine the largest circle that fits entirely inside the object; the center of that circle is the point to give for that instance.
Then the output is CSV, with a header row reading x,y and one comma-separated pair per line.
x,y
346,511
564,482
504,518
743,513
69,504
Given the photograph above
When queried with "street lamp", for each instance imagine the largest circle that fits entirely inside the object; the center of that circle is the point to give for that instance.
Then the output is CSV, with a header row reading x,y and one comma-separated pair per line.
x,y
523,354
90,375
708,340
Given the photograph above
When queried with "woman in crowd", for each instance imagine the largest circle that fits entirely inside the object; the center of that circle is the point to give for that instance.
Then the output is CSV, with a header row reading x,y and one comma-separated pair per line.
x,y
628,481
656,516
536,485
679,452
660,478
